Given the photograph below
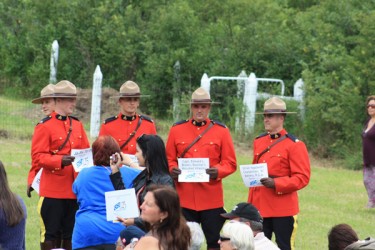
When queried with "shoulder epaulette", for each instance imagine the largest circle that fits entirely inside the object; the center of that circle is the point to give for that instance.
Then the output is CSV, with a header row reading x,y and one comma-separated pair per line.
x,y
110,119
292,137
143,117
45,119
73,117
180,122
261,135
219,123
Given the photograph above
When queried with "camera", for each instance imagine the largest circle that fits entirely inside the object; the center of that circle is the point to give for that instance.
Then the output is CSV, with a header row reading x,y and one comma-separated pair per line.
x,y
113,158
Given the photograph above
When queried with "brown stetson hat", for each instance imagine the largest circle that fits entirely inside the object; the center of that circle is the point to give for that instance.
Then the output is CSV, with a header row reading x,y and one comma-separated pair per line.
x,y
130,89
274,105
65,89
201,96
46,92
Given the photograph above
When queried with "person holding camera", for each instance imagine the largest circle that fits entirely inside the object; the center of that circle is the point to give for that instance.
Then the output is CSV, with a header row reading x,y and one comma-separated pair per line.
x,y
90,187
53,139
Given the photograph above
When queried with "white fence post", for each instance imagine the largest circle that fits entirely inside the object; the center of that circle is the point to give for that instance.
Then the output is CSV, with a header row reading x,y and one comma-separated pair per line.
x,y
240,92
250,100
53,62
95,102
298,94
205,82
176,91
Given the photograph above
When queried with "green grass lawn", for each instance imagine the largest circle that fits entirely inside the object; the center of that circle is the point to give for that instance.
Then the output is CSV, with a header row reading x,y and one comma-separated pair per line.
x,y
333,196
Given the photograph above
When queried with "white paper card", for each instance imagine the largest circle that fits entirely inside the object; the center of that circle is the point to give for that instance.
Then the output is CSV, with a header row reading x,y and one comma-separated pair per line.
x,y
36,182
122,203
133,158
193,169
251,174
83,159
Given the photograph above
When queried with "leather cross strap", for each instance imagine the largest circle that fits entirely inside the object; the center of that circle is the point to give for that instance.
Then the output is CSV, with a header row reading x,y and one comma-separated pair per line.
x,y
196,140
132,133
66,139
270,146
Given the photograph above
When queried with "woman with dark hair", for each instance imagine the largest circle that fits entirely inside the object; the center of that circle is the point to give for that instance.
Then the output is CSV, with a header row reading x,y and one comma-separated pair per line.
x,y
152,158
368,144
91,228
12,216
161,211
340,236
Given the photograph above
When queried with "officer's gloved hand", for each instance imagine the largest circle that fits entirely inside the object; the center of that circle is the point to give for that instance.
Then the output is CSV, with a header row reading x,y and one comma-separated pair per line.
x,y
67,160
28,191
212,172
175,173
268,182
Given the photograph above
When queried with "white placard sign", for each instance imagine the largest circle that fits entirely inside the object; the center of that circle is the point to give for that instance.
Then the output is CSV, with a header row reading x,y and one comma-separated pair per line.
x,y
83,159
193,169
36,182
122,203
251,174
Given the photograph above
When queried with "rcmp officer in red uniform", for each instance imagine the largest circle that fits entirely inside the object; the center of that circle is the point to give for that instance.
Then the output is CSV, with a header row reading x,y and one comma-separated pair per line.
x,y
54,138
200,137
289,171
47,101
127,126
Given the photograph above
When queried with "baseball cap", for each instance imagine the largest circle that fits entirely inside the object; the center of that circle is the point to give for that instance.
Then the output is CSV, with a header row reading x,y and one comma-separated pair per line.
x,y
244,210
130,233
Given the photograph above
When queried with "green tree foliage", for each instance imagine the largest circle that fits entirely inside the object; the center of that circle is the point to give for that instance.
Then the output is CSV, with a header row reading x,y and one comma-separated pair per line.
x,y
329,43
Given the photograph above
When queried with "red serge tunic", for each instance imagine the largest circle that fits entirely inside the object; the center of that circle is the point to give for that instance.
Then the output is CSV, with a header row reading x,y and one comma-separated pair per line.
x,y
216,145
120,127
288,162
56,182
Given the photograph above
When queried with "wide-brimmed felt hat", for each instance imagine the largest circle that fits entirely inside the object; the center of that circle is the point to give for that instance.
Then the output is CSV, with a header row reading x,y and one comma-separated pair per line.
x,y
130,89
46,92
65,89
274,105
244,210
201,96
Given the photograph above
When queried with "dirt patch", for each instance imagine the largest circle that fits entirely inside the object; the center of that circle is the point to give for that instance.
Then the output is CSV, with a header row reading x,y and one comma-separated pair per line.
x,y
109,106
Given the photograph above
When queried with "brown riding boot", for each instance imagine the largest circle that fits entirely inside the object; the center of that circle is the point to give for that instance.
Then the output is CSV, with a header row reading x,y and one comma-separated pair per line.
x,y
67,244
47,245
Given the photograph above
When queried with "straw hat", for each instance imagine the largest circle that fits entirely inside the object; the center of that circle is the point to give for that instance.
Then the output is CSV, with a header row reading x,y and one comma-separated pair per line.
x,y
46,92
65,89
275,105
130,89
201,96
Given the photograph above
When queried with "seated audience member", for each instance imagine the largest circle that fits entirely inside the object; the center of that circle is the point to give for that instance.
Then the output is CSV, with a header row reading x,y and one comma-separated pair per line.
x,y
152,158
197,236
248,214
343,237
12,216
236,235
91,228
161,212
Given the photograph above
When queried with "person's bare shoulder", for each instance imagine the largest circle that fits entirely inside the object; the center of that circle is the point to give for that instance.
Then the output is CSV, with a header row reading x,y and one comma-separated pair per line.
x,y
147,243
